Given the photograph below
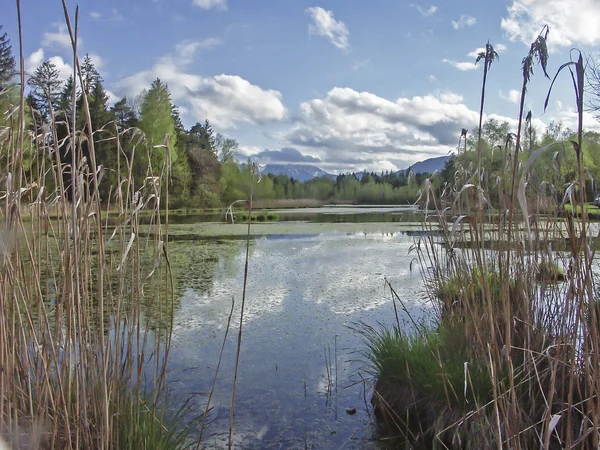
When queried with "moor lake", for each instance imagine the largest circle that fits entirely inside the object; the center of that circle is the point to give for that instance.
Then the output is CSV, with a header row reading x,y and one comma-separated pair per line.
x,y
301,370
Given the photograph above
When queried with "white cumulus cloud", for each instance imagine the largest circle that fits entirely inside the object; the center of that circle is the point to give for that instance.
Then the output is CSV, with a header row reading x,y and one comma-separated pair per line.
x,y
186,50
58,38
464,21
354,129
358,130
210,4
225,100
425,12
461,65
571,22
513,96
450,97
324,24
112,15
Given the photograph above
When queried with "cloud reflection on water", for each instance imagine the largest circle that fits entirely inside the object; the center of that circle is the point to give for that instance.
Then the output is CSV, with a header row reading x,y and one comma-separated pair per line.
x,y
344,272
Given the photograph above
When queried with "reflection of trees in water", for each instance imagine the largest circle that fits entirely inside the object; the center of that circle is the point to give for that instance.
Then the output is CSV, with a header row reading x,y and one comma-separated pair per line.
x,y
194,265
138,293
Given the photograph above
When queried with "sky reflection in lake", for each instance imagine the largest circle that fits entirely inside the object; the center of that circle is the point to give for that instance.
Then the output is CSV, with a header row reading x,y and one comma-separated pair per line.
x,y
304,291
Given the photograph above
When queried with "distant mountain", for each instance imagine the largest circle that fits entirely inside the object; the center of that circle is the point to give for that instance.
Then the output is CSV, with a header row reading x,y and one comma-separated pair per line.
x,y
429,165
298,172
302,172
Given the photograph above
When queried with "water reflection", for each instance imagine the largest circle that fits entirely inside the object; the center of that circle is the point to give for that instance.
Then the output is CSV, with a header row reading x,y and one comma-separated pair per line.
x,y
299,365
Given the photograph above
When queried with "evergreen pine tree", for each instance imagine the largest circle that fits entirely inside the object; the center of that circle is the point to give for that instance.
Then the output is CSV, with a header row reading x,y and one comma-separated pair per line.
x,y
203,136
46,88
90,74
7,61
124,114
64,103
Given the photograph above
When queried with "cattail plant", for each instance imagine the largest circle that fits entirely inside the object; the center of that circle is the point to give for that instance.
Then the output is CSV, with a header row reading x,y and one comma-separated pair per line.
x,y
512,360
538,51
488,56
584,384
463,139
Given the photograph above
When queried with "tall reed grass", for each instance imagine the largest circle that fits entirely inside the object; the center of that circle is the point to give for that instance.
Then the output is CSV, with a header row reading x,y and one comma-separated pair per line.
x,y
514,357
79,365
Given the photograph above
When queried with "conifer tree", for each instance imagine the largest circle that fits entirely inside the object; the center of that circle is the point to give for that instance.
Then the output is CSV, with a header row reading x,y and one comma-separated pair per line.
x,y
124,114
90,74
46,88
64,103
7,61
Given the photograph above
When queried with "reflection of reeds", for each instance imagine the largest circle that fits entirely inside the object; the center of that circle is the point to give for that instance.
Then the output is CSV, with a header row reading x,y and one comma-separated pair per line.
x,y
328,368
214,384
254,172
80,366
331,376
513,359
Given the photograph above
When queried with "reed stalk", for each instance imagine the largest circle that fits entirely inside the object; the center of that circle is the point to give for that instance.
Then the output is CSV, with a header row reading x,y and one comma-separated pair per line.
x,y
525,339
254,171
82,364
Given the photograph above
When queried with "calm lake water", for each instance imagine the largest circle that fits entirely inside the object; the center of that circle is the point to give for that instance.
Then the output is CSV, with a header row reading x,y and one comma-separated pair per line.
x,y
324,214
300,367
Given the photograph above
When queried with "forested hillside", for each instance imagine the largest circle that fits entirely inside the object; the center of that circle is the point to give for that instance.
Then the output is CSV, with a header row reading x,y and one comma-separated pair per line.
x,y
204,169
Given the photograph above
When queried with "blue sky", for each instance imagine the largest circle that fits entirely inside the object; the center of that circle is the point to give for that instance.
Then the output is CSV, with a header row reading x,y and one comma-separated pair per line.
x,y
342,85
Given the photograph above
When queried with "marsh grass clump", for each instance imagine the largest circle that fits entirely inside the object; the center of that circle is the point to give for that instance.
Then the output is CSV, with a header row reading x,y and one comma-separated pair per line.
x,y
467,288
513,360
435,389
257,217
549,272
139,426
439,387
420,387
